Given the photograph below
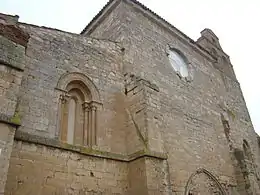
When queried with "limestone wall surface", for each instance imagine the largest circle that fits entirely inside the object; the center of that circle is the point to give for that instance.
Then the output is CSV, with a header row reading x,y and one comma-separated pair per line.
x,y
156,131
186,112
12,53
36,169
51,54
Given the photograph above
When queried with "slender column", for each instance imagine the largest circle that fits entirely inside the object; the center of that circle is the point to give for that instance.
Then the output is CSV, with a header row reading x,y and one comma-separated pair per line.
x,y
93,124
60,117
90,123
64,117
86,124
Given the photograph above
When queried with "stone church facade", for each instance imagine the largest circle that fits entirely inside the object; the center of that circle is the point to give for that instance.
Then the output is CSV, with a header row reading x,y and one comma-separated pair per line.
x,y
131,106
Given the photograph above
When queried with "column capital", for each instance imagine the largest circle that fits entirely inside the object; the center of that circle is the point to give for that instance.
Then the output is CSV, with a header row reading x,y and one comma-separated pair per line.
x,y
86,106
93,108
64,98
92,105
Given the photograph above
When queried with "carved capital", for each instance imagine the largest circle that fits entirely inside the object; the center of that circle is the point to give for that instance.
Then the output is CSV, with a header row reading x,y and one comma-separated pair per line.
x,y
93,108
86,106
64,98
93,105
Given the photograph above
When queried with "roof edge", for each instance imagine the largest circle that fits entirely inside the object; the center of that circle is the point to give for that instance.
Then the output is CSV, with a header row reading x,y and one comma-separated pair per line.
x,y
165,24
108,8
27,25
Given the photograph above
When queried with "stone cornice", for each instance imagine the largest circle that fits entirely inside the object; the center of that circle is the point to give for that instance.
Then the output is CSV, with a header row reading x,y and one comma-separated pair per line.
x,y
25,137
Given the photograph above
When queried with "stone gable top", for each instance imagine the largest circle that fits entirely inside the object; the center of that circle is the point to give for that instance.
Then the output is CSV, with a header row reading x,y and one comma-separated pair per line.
x,y
112,4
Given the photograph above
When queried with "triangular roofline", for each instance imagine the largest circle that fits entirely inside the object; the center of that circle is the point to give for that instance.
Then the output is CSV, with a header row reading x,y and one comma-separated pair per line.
x,y
105,11
112,4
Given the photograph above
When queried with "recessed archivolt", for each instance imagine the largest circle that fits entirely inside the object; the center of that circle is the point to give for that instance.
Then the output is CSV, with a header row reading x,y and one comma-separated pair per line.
x,y
80,78
79,106
209,175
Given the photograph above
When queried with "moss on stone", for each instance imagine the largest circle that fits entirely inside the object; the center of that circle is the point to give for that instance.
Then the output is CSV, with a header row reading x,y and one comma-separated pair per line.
x,y
16,119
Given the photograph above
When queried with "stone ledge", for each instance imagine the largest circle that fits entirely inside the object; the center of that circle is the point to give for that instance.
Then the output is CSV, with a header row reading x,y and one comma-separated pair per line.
x,y
146,153
10,120
3,63
22,136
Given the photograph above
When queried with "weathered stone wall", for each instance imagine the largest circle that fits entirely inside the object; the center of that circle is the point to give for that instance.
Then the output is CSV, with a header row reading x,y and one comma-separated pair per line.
x,y
12,54
157,133
138,93
11,64
52,53
186,112
6,145
49,55
137,177
37,169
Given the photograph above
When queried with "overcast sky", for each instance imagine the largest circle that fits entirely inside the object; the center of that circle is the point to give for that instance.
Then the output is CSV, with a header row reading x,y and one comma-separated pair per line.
x,y
235,22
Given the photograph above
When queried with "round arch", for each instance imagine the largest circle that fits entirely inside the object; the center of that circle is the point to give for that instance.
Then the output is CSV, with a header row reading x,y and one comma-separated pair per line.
x,y
81,78
180,53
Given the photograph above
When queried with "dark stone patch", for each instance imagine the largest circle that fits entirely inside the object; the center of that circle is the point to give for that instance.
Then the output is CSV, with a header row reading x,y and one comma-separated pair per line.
x,y
15,34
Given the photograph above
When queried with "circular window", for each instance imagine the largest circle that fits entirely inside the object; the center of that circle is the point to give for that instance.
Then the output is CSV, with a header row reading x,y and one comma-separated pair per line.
x,y
178,63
